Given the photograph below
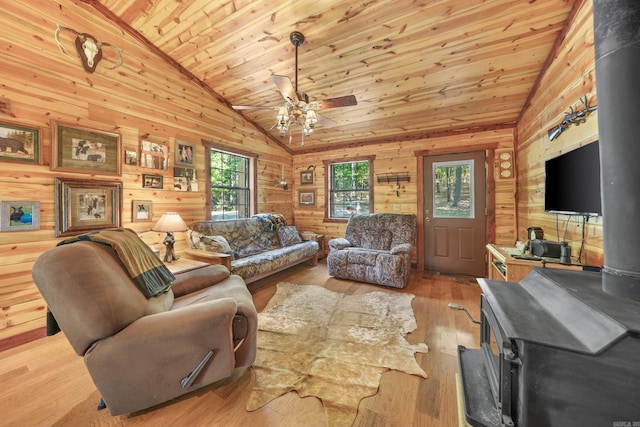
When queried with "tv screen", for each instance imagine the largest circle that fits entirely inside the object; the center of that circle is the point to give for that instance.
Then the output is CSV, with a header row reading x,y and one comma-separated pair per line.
x,y
572,182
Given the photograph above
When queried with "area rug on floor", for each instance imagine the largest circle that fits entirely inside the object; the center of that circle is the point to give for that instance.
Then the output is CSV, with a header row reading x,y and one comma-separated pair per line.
x,y
333,346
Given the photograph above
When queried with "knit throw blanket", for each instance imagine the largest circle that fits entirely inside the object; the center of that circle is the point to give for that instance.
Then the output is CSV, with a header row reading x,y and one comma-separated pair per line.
x,y
149,274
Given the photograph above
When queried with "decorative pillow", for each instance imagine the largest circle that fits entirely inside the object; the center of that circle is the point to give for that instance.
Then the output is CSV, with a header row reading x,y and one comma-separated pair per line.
x,y
271,221
215,244
376,239
289,235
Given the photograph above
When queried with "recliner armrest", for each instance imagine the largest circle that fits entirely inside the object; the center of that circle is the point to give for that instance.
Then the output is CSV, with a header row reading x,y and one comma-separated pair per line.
x,y
402,248
200,278
339,243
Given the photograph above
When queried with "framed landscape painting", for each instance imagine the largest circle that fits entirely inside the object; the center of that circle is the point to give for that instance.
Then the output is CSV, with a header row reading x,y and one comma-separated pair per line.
x,y
18,143
307,198
152,181
76,149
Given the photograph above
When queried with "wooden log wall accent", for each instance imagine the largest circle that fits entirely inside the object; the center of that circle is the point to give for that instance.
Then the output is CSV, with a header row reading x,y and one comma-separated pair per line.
x,y
570,76
146,97
402,157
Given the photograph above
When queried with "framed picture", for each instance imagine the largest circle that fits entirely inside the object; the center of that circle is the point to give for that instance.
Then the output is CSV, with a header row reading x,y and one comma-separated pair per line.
x,y
307,197
185,154
141,211
19,143
154,155
307,177
83,205
184,179
76,149
19,216
131,158
152,181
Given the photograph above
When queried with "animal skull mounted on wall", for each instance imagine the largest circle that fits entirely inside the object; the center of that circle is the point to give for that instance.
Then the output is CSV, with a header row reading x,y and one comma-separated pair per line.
x,y
88,47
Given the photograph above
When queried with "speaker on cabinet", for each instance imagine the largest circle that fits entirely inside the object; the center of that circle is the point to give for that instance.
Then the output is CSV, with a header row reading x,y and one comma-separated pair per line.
x,y
545,248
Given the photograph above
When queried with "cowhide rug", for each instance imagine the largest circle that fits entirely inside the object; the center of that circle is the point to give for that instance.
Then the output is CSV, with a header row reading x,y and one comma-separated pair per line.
x,y
333,346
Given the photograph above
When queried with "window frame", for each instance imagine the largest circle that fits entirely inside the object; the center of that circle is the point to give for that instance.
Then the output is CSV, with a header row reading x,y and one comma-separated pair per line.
x,y
253,175
327,188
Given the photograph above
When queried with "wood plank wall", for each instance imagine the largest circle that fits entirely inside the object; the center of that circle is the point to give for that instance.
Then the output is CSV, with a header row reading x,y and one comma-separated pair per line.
x,y
145,96
404,157
570,77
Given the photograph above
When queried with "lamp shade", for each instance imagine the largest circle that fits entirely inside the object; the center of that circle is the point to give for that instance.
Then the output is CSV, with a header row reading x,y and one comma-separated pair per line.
x,y
170,222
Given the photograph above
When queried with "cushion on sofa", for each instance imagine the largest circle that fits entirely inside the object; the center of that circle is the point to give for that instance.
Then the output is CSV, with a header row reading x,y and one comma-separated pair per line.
x,y
288,235
376,239
215,244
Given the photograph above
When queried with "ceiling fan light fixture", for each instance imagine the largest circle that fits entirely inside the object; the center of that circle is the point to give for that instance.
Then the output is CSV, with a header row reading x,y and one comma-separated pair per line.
x,y
312,118
283,115
297,108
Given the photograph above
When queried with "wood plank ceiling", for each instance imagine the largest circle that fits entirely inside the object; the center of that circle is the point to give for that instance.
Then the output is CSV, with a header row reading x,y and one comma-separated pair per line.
x,y
417,68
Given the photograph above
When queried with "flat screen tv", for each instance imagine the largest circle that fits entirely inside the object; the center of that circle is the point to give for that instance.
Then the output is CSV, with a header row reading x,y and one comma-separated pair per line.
x,y
572,182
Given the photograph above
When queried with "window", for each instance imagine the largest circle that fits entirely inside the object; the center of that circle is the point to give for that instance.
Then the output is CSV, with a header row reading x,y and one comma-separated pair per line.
x,y
230,186
350,188
453,189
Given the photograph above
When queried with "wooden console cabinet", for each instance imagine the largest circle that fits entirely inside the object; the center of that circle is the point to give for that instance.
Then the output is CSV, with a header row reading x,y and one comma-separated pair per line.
x,y
502,266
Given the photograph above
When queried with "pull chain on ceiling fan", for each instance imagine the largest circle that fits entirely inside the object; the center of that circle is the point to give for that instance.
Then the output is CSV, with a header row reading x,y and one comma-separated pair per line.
x,y
297,110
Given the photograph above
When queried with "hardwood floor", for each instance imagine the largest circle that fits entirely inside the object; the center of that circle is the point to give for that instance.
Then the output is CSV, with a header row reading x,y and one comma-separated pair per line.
x,y
44,383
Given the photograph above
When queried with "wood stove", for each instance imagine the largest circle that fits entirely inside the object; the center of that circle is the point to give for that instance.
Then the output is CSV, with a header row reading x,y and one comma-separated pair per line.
x,y
562,348
555,351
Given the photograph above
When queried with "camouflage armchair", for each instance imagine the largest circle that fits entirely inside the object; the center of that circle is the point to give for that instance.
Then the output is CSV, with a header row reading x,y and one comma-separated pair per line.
x,y
376,249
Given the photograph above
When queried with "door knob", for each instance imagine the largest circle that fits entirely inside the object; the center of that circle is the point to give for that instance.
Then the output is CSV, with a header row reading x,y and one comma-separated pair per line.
x,y
427,215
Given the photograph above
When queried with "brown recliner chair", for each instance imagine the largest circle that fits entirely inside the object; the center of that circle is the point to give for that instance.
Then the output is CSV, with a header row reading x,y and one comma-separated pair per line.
x,y
142,352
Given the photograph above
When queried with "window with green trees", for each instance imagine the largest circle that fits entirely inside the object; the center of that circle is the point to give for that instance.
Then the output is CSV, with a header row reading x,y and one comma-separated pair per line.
x,y
230,181
453,189
350,188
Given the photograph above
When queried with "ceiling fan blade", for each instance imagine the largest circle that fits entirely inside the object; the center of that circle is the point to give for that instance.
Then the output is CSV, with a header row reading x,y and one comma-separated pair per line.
x,y
252,107
324,121
341,101
286,88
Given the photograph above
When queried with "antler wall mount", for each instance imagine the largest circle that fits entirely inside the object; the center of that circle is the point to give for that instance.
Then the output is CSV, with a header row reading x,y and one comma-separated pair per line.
x,y
88,47
572,117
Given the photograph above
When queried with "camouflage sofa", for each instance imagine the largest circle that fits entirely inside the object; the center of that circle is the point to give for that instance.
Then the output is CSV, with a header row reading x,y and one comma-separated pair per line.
x,y
376,249
251,248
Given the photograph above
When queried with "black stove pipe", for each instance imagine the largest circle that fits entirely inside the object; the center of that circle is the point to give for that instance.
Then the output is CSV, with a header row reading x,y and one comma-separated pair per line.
x,y
617,55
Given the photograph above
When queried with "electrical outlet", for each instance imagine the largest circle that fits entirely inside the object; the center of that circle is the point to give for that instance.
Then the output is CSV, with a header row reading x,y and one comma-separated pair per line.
x,y
396,206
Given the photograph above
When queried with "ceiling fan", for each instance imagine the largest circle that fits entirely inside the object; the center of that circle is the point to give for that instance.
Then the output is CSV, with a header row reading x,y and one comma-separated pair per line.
x,y
297,110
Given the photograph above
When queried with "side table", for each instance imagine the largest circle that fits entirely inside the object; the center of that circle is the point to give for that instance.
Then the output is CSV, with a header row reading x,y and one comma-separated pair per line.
x,y
319,238
182,265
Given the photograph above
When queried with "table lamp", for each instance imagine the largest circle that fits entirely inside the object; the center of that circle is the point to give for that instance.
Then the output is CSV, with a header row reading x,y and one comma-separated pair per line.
x,y
170,222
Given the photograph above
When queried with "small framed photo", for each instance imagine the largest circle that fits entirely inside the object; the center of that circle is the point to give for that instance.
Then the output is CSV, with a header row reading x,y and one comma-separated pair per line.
x,y
307,197
83,205
131,158
185,154
184,179
19,143
307,177
77,149
19,216
154,155
141,211
152,181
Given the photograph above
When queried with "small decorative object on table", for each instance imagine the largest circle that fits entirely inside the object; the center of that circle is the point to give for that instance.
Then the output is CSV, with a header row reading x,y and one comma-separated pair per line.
x,y
170,222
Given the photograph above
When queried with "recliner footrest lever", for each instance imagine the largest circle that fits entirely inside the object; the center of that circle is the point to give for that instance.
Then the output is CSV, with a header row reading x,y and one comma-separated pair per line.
x,y
189,379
